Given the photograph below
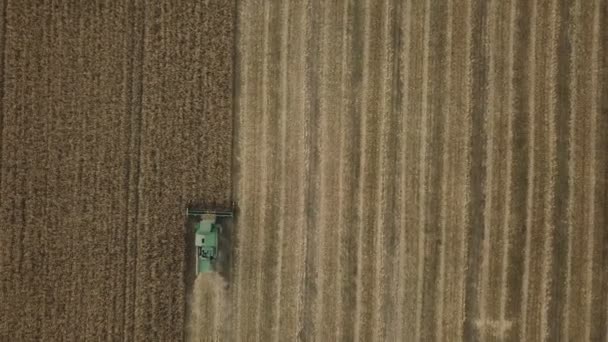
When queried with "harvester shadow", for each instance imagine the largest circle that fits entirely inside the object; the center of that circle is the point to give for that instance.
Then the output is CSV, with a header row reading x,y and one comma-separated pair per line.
x,y
189,266
223,263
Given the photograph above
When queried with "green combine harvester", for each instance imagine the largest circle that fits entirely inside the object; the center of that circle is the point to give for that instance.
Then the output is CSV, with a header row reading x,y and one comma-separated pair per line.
x,y
206,232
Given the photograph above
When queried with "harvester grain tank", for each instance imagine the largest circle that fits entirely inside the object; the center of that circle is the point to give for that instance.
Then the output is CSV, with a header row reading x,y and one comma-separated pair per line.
x,y
206,232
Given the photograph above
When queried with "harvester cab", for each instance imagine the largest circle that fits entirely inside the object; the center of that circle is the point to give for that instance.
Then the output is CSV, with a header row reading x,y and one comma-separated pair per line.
x,y
206,231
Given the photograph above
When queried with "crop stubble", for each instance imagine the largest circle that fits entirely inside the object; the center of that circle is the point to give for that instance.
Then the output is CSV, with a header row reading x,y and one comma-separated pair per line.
x,y
439,170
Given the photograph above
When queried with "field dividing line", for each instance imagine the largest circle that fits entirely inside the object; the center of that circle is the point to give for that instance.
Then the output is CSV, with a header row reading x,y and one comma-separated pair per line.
x,y
282,178
573,84
403,78
508,200
423,170
263,173
595,117
445,173
244,149
362,163
531,184
550,228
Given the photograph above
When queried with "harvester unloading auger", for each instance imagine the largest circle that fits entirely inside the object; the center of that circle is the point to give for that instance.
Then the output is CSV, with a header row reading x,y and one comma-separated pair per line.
x,y
206,235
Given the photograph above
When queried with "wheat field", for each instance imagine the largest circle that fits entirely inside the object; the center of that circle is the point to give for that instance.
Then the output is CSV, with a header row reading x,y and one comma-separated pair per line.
x,y
403,170
110,125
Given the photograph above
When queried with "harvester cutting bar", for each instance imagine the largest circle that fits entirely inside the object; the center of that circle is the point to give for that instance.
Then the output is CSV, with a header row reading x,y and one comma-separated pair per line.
x,y
218,213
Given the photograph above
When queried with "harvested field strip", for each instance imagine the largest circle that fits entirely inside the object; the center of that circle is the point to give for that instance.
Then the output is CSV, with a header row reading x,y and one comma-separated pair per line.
x,y
436,169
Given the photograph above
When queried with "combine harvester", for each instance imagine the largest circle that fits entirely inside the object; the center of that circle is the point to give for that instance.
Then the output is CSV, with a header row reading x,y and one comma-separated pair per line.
x,y
206,236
